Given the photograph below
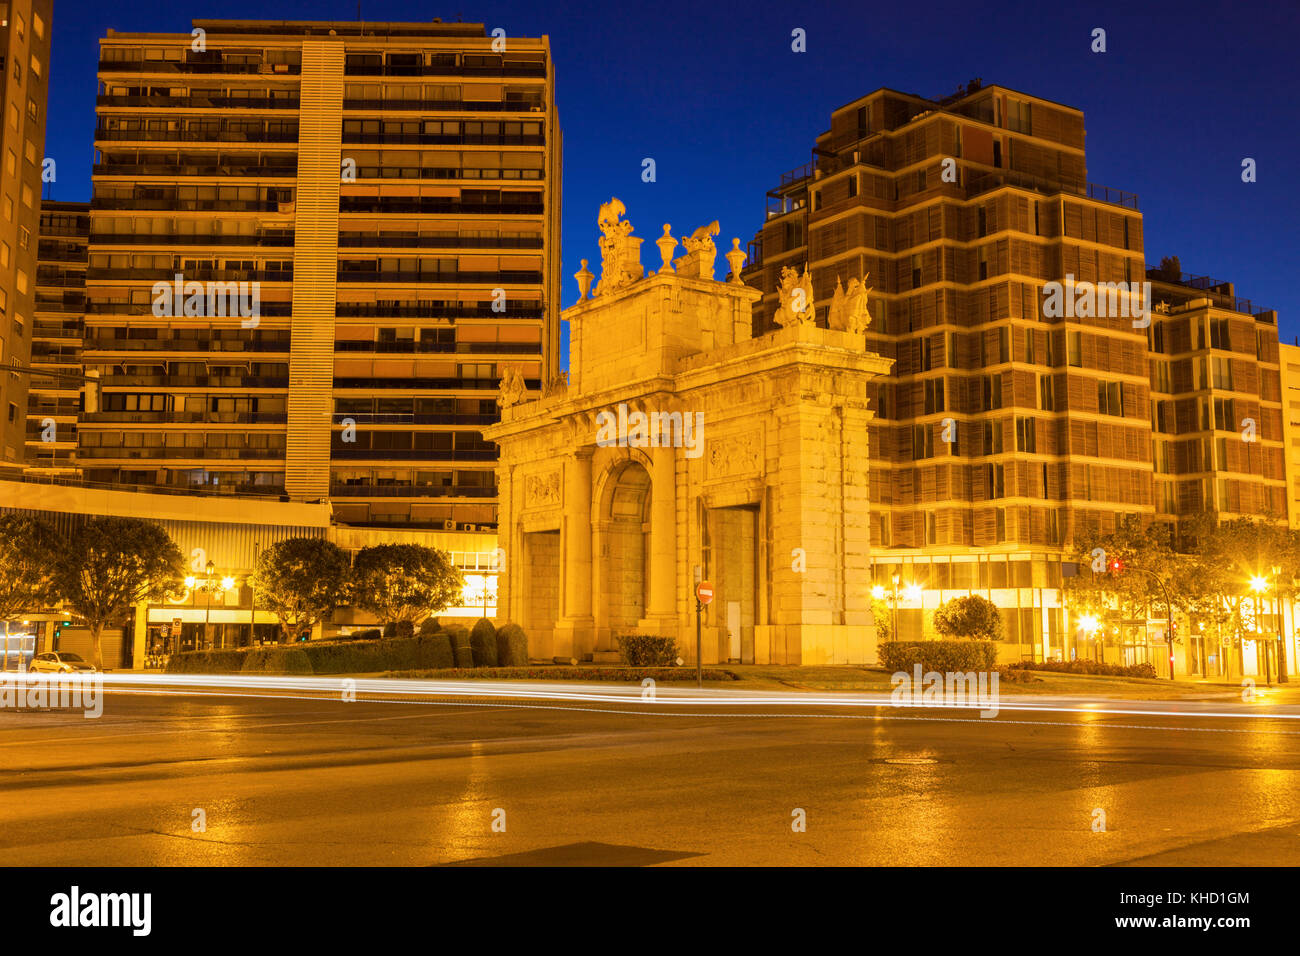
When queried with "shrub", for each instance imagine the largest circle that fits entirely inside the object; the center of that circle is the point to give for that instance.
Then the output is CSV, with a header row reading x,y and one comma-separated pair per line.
x,y
206,662
434,651
429,625
390,629
277,660
647,650
512,646
971,617
483,640
369,634
939,656
405,630
460,645
633,675
1088,667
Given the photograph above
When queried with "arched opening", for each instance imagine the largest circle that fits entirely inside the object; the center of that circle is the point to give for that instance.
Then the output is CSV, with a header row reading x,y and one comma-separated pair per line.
x,y
625,516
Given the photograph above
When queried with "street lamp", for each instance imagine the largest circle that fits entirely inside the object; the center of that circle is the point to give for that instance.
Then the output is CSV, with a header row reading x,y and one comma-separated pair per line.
x,y
1277,623
894,625
1259,585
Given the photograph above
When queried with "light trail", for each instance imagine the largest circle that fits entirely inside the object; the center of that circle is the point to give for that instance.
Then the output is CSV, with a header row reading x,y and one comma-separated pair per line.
x,y
397,690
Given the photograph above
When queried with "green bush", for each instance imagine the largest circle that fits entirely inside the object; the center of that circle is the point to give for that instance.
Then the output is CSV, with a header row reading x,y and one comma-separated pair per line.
x,y
460,645
483,641
405,630
434,651
512,646
972,617
942,656
275,659
369,634
647,650
633,675
1088,667
206,662
429,625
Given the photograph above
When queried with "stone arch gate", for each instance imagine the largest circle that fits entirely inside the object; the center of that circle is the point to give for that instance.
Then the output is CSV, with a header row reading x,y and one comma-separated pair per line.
x,y
681,445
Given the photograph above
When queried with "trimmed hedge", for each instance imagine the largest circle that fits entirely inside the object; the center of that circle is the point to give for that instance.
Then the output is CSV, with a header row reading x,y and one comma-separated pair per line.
x,y
939,656
206,662
633,674
369,634
275,659
483,643
647,650
435,651
512,646
460,645
429,626
1088,667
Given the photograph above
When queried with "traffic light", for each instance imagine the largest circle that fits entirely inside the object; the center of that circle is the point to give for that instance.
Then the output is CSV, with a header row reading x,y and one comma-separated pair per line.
x,y
1116,566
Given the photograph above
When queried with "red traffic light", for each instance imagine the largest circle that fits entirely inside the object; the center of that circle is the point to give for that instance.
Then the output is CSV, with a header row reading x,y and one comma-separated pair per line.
x,y
1116,567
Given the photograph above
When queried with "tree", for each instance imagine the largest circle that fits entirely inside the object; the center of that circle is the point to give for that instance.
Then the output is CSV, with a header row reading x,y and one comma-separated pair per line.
x,y
971,617
302,580
404,583
28,551
111,564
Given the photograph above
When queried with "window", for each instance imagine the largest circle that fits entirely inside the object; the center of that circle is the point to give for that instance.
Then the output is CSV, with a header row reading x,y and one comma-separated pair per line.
x,y
931,533
1047,393
995,481
1029,346
1074,346
1222,369
1026,434
933,396
916,270
926,354
13,413
991,443
853,185
1110,398
1224,419
990,392
1219,338
922,442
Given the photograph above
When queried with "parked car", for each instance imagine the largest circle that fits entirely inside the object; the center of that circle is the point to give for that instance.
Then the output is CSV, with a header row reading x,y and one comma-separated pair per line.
x,y
60,662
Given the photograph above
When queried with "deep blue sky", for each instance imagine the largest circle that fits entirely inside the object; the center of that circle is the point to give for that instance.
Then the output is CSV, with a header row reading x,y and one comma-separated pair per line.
x,y
714,94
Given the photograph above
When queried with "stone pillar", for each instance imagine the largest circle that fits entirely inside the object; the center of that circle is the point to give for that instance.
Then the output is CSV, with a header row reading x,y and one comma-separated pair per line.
x,y
661,608
575,630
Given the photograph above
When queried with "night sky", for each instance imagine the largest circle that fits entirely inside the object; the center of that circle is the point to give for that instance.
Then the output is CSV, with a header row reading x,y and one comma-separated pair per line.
x,y
713,93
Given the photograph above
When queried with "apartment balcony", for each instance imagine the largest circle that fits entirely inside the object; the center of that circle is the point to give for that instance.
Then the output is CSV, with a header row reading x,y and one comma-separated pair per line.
x,y
435,384
435,139
117,453
443,70
411,491
511,277
96,344
137,204
457,348
354,241
381,455
170,239
405,418
436,206
164,67
994,180
185,418
202,275
200,102
382,311
278,171
266,492
192,381
445,106
57,330
216,137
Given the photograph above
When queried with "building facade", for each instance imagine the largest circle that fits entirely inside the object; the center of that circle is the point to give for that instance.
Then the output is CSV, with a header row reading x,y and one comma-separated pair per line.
x,y
1020,416
25,28
315,248
54,400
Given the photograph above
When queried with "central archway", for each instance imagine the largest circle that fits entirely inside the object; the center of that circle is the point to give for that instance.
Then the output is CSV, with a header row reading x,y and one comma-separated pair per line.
x,y
624,527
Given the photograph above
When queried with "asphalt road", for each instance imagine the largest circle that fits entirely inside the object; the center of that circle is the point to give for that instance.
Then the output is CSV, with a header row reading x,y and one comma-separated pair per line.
x,y
313,781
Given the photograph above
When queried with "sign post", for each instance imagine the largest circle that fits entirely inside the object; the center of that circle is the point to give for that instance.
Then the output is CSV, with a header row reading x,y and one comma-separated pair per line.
x,y
703,596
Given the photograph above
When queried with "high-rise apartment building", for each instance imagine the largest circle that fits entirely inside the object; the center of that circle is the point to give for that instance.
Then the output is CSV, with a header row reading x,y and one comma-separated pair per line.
x,y
1014,422
24,66
377,207
54,399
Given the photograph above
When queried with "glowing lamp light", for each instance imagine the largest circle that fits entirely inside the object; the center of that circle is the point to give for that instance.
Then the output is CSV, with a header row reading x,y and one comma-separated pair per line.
x,y
190,581
912,592
1089,623
878,592
227,584
1258,584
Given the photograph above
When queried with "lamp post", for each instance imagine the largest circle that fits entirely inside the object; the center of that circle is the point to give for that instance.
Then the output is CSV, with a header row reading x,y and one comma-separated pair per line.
x,y
1277,624
1259,585
894,612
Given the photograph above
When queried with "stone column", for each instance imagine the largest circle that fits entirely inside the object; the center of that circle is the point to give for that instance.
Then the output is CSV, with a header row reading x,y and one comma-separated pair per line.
x,y
661,608
575,630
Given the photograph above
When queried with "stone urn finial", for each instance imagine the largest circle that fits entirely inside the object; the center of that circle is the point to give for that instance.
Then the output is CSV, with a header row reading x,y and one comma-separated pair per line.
x,y
667,245
736,259
584,277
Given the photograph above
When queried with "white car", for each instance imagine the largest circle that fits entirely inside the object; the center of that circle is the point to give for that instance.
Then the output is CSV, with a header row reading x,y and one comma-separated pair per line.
x,y
60,662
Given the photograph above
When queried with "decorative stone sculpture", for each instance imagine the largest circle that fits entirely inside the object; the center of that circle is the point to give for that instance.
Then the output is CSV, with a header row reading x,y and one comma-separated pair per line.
x,y
848,309
584,277
556,386
796,298
512,388
620,252
700,252
736,259
666,244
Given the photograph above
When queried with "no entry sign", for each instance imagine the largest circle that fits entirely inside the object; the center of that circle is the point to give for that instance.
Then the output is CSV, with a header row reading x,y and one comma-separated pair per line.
x,y
704,592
